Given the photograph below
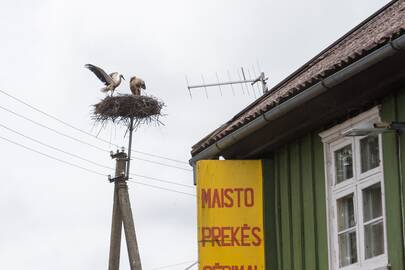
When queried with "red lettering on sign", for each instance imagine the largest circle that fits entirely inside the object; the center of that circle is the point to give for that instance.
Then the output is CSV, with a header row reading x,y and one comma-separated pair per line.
x,y
249,197
216,235
238,190
234,236
216,200
218,266
231,236
206,197
245,235
205,235
225,236
227,197
255,234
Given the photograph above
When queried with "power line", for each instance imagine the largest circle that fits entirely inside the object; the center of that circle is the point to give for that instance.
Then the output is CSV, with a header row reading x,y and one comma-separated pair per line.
x,y
88,160
162,188
171,265
190,266
83,142
52,129
87,169
52,157
55,148
157,156
162,164
83,131
161,180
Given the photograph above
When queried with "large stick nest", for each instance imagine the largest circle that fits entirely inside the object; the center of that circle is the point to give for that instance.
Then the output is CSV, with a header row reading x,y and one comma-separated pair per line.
x,y
120,109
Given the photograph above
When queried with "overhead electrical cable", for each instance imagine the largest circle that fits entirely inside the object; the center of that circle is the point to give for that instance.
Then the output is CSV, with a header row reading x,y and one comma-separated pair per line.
x,y
83,131
162,164
158,156
171,265
162,188
162,180
88,160
191,266
52,129
52,157
87,169
54,148
83,142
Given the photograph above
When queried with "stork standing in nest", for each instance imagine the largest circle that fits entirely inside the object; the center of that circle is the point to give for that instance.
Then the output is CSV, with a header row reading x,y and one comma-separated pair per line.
x,y
135,84
111,81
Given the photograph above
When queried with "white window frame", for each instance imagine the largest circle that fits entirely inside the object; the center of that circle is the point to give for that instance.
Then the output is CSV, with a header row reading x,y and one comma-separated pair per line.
x,y
380,260
336,146
336,196
358,160
334,140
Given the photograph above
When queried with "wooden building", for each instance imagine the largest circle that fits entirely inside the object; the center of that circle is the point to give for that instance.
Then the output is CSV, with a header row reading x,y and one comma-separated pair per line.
x,y
331,137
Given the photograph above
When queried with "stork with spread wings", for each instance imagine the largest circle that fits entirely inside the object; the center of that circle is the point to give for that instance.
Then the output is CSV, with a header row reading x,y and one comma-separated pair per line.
x,y
111,81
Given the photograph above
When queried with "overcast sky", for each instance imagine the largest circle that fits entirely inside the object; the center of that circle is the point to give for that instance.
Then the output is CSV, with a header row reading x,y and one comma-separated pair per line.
x,y
54,216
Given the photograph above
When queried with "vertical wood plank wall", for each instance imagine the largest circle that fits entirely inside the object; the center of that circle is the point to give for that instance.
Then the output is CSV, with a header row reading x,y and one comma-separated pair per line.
x,y
295,204
393,109
295,207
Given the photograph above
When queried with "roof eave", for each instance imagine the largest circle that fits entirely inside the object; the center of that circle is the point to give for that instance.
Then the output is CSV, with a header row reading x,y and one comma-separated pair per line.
x,y
214,150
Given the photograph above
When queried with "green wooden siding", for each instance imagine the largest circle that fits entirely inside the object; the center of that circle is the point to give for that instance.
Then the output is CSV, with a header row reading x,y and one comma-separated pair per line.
x,y
295,207
295,204
393,109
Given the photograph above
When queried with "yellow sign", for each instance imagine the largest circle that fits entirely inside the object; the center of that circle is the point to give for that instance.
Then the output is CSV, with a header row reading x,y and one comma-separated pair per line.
x,y
230,215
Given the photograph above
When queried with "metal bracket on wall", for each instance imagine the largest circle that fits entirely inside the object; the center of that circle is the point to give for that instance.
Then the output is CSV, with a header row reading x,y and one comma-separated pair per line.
x,y
378,128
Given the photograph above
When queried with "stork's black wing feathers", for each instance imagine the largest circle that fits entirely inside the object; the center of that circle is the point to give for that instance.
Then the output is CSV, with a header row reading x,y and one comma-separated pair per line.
x,y
100,73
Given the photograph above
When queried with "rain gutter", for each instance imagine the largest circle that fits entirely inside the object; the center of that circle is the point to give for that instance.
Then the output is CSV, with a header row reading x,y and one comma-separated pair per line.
x,y
214,150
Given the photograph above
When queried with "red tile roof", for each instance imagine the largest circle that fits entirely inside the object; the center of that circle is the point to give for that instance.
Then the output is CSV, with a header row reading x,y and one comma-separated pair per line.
x,y
386,24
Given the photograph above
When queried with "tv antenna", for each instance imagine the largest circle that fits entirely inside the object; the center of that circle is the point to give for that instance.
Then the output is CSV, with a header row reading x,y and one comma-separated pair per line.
x,y
262,79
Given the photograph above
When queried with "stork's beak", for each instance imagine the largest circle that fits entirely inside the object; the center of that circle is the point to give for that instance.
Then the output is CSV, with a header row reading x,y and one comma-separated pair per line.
x,y
122,77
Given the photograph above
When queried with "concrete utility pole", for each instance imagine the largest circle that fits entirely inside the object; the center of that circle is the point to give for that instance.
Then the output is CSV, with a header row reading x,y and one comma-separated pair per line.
x,y
132,111
122,214
116,226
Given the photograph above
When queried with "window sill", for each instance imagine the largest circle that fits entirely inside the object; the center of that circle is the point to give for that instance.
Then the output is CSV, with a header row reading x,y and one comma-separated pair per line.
x,y
387,267
366,267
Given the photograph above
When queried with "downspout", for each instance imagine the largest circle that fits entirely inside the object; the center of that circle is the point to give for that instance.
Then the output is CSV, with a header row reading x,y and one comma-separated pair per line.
x,y
378,55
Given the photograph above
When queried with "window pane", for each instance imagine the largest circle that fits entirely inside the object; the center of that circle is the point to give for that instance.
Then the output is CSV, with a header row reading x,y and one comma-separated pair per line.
x,y
370,157
345,213
374,239
347,248
372,205
344,163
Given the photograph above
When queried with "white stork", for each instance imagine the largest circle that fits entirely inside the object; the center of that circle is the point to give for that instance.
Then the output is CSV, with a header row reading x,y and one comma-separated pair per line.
x,y
111,81
135,84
